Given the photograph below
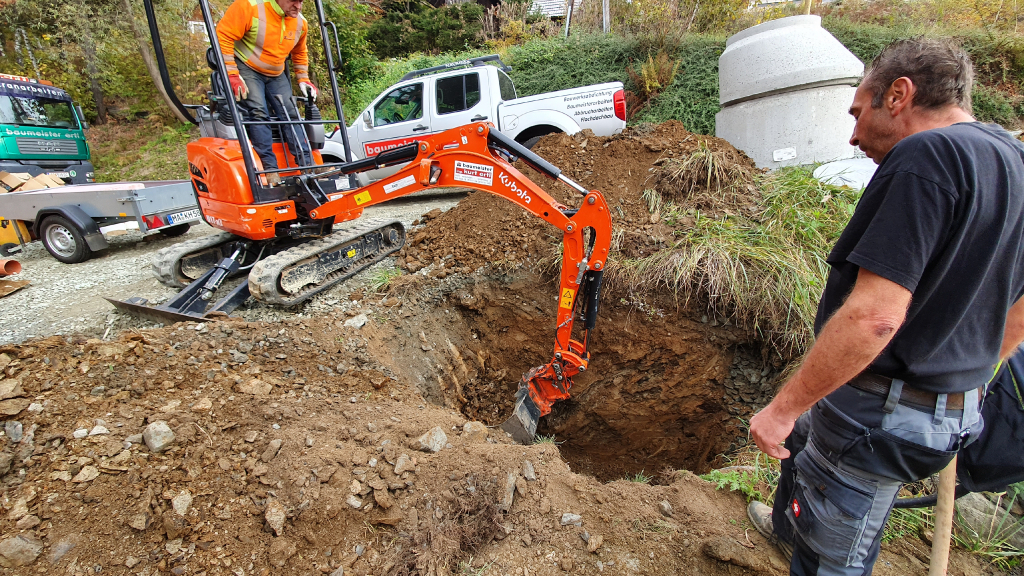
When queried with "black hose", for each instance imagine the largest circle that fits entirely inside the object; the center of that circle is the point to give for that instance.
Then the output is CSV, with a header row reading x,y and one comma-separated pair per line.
x,y
928,500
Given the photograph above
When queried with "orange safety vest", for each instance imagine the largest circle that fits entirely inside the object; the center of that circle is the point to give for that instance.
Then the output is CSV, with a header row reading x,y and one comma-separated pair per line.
x,y
263,37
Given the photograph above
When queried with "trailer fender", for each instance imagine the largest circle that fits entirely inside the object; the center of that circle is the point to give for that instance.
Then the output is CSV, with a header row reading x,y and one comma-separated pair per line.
x,y
86,225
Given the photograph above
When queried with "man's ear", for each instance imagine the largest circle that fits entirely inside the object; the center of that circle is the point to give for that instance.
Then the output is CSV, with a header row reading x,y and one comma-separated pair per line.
x,y
899,96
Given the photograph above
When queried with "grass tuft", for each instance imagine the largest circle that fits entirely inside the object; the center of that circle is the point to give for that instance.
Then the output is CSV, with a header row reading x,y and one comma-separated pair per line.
x,y
640,478
765,273
381,278
994,544
541,439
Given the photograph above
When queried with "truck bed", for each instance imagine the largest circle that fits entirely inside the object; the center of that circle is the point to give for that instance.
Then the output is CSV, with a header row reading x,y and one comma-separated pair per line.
x,y
103,201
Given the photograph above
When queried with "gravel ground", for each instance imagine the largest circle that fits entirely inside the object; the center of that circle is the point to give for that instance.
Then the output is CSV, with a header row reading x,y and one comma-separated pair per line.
x,y
69,298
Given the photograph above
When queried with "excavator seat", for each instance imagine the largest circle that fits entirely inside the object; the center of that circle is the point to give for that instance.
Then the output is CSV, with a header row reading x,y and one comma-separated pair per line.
x,y
216,121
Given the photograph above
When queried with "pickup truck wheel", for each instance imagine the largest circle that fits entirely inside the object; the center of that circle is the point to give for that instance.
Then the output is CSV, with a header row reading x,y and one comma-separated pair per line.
x,y
531,142
64,241
175,231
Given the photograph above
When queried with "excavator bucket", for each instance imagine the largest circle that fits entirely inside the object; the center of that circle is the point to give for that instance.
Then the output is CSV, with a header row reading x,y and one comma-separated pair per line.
x,y
522,425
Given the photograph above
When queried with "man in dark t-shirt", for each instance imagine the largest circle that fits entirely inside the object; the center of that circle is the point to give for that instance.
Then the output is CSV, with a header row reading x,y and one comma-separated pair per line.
x,y
923,299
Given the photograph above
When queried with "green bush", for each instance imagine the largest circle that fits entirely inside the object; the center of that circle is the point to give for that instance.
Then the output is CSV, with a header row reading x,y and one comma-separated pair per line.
x,y
558,63
991,105
415,26
692,98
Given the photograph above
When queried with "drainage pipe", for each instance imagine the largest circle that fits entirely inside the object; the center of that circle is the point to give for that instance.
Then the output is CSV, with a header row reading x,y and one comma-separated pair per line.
x,y
9,267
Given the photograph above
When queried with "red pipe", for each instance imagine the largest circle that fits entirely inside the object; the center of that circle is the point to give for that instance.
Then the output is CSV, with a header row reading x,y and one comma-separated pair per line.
x,y
8,267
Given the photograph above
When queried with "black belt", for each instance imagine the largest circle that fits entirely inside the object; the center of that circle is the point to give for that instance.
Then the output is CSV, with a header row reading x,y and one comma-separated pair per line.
x,y
879,385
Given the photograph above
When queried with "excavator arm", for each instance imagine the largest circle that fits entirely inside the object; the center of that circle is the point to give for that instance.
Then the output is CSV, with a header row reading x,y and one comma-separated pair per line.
x,y
474,156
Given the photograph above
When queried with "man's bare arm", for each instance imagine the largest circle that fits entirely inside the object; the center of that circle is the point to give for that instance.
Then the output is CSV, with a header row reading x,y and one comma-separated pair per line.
x,y
1013,335
858,331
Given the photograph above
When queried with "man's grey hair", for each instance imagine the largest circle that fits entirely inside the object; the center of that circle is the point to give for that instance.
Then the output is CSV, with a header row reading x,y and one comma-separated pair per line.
x,y
940,70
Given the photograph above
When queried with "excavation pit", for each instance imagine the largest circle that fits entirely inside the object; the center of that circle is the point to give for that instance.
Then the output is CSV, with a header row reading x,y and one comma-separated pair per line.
x,y
667,387
664,390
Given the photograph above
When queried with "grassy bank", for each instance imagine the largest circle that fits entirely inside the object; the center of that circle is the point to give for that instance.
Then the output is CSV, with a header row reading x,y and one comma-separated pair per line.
x,y
140,150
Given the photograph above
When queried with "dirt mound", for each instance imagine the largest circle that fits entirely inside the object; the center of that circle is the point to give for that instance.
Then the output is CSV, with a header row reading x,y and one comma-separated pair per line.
x,y
298,450
695,172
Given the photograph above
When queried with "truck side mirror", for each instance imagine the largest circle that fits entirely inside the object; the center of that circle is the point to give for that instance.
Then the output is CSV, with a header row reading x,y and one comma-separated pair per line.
x,y
367,120
81,117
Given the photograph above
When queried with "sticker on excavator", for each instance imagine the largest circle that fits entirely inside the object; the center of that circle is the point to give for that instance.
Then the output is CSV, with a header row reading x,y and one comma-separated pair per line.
x,y
399,184
567,296
362,198
474,173
351,252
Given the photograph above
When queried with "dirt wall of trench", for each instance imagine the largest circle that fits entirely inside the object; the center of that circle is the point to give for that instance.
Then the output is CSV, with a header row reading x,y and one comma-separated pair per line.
x,y
655,396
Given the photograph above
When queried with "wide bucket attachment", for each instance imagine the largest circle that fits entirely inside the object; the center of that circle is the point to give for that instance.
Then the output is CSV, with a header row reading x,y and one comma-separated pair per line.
x,y
188,305
522,425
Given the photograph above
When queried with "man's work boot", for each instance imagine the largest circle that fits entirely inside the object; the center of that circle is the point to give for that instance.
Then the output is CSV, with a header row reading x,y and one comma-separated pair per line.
x,y
761,517
273,179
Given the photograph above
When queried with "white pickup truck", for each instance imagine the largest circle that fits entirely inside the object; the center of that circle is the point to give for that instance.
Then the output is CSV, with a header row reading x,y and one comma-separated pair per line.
x,y
471,91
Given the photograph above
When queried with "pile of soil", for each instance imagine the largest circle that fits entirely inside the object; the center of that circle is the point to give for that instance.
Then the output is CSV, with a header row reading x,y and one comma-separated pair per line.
x,y
485,229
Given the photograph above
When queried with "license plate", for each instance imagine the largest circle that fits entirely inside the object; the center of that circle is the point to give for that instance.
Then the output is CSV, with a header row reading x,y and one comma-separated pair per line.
x,y
182,217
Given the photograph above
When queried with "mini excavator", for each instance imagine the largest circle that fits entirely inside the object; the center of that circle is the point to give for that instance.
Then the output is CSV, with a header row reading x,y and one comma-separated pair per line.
x,y
288,238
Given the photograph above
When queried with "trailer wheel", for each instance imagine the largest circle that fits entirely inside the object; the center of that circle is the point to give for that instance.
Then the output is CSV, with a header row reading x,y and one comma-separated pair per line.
x,y
8,250
63,240
175,231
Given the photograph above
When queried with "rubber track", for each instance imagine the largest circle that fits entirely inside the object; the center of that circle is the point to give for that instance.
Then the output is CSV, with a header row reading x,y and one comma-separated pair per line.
x,y
263,279
165,261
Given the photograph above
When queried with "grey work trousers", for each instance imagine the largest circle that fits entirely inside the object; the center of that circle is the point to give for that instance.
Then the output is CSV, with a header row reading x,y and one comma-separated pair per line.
x,y
846,465
262,98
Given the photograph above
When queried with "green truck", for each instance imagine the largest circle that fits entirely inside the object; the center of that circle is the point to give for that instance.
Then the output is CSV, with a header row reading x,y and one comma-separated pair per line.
x,y
42,131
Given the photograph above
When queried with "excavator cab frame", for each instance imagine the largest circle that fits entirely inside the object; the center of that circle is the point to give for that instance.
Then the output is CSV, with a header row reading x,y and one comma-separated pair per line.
x,y
332,53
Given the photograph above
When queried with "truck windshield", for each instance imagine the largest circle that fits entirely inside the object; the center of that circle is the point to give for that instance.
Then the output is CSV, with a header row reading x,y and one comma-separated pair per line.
x,y
42,112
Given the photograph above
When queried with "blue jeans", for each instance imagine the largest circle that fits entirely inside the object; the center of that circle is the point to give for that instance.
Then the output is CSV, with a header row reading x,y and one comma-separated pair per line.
x,y
262,90
846,465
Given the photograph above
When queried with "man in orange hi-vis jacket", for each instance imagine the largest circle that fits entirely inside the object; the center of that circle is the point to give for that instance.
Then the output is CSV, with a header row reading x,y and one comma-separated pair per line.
x,y
255,37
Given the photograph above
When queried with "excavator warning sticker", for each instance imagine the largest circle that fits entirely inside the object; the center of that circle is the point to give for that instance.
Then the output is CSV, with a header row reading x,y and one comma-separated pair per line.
x,y
362,198
399,184
475,173
567,296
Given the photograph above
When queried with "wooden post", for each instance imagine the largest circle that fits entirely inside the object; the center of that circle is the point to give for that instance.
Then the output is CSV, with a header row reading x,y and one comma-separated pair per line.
x,y
943,520
807,6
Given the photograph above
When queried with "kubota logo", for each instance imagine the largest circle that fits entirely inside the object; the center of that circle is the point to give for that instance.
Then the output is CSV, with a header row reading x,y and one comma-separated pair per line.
x,y
511,185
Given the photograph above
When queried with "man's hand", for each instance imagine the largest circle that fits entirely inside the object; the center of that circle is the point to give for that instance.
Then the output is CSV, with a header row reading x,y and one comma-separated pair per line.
x,y
308,89
238,87
770,430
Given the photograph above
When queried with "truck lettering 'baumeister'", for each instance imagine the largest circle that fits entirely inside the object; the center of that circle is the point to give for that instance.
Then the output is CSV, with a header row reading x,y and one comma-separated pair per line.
x,y
41,131
436,99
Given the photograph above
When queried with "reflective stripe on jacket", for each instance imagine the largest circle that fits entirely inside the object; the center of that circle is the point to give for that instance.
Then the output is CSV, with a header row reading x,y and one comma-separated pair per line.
x,y
263,37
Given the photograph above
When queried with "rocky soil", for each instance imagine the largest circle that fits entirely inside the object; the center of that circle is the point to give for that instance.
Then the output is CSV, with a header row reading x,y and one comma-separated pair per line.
x,y
69,299
359,437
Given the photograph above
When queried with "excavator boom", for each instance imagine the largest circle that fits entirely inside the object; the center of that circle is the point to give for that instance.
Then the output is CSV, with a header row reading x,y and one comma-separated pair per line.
x,y
472,156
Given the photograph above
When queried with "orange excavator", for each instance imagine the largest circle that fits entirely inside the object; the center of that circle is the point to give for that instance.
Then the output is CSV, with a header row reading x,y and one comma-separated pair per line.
x,y
289,240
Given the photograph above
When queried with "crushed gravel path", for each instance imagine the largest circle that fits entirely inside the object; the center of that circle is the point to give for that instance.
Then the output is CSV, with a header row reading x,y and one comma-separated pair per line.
x,y
69,298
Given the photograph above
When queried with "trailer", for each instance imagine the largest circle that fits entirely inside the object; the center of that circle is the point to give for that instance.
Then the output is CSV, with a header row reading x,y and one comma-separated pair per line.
x,y
70,220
